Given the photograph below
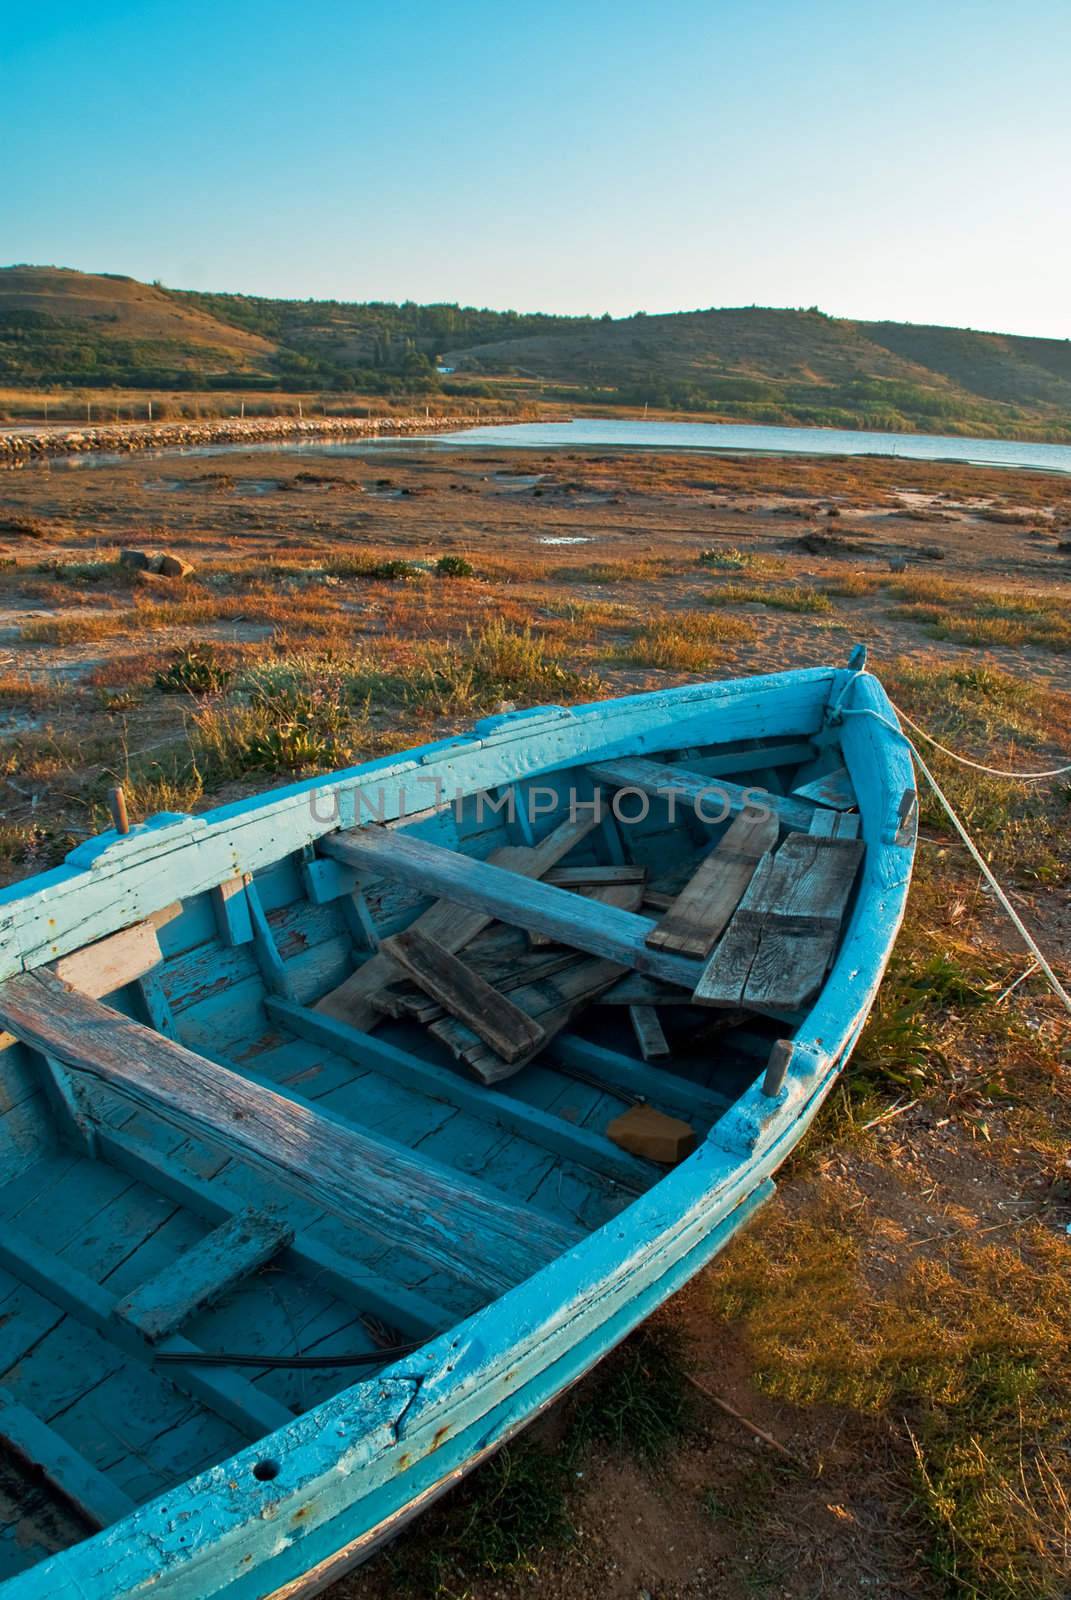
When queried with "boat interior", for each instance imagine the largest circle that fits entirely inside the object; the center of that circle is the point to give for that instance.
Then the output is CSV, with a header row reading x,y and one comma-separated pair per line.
x,y
312,1117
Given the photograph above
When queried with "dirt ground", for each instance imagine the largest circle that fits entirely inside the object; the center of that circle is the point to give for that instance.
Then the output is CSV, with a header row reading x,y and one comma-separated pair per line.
x,y
621,572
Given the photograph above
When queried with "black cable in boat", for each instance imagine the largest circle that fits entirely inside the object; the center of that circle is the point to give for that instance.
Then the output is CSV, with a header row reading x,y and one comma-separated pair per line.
x,y
217,1358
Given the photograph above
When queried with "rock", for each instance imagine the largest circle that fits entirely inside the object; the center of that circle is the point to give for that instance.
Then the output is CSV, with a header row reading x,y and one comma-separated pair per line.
x,y
173,567
646,1132
138,559
897,564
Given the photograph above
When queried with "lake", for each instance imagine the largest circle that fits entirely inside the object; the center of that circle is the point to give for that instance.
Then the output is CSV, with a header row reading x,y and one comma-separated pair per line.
x,y
595,432
613,433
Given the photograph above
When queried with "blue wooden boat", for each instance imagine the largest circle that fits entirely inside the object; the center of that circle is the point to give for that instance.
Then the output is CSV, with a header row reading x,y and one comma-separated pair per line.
x,y
344,1128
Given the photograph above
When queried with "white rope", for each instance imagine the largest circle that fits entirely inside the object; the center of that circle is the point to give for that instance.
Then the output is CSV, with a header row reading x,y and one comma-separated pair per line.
x,y
994,772
1017,922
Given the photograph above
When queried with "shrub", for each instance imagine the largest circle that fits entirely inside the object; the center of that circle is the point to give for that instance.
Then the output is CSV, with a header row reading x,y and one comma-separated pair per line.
x,y
195,669
454,567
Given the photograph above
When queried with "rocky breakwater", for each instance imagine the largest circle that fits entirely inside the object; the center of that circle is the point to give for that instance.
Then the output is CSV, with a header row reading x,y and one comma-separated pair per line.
x,y
20,445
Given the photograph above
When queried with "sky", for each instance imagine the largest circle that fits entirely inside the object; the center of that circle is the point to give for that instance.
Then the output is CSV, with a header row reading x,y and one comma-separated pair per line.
x,y
908,161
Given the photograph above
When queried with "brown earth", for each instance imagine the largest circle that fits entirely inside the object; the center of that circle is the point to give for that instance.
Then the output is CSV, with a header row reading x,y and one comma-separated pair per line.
x,y
598,554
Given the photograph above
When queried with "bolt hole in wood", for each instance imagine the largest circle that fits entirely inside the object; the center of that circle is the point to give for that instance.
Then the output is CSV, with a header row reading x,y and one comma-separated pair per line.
x,y
421,1117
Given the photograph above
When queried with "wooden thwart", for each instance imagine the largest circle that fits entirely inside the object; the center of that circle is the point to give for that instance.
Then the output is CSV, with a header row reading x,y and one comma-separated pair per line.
x,y
410,1202
713,798
700,912
782,938
485,887
501,1024
451,925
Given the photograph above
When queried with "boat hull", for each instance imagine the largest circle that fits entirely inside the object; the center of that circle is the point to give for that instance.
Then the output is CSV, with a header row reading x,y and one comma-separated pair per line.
x,y
350,1473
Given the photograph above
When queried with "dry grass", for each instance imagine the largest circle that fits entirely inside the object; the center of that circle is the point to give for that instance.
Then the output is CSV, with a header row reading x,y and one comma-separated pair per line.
x,y
689,641
799,597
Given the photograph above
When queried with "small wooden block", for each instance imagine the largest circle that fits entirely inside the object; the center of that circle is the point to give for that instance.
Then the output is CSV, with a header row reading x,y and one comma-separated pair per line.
x,y
646,1132
648,1031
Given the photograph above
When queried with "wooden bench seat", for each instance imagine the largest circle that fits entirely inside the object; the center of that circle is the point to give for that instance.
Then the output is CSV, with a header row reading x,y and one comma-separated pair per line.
x,y
467,1229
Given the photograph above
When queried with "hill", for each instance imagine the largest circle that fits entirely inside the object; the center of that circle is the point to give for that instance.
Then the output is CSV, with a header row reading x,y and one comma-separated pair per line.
x,y
63,327
802,366
59,326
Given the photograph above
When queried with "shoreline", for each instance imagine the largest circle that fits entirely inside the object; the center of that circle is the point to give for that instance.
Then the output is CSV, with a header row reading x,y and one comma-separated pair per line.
x,y
18,446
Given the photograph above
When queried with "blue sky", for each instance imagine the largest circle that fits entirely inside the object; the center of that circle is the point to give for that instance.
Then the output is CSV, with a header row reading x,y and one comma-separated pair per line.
x,y
907,161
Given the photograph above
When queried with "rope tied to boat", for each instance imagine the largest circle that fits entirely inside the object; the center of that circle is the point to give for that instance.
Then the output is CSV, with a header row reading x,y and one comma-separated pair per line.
x,y
1041,962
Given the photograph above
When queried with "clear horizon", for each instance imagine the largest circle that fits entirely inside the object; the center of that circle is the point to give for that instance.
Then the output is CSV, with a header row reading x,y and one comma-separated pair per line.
x,y
900,167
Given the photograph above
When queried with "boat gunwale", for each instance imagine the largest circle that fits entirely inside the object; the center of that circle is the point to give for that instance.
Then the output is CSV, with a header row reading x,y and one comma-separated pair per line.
x,y
580,1289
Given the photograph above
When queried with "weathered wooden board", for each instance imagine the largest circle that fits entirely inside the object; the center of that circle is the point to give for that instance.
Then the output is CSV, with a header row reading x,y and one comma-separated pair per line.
x,y
553,1003
510,1032
101,968
780,941
204,1274
700,912
467,1229
528,966
452,925
648,1030
713,799
568,918
826,781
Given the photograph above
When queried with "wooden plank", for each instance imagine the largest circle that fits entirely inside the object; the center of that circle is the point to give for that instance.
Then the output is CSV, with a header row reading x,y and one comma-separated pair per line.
x,y
626,896
568,918
776,949
91,1493
594,877
711,799
231,911
101,968
539,1127
406,1000
648,1030
205,1273
453,927
466,1229
823,824
701,911
509,1031
232,1397
552,1001
826,781
848,825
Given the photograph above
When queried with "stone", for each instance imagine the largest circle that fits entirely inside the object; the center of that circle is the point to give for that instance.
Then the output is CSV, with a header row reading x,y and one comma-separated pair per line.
x,y
174,567
140,560
643,1131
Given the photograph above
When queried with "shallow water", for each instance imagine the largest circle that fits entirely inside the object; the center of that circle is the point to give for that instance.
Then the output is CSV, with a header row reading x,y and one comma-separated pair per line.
x,y
614,433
